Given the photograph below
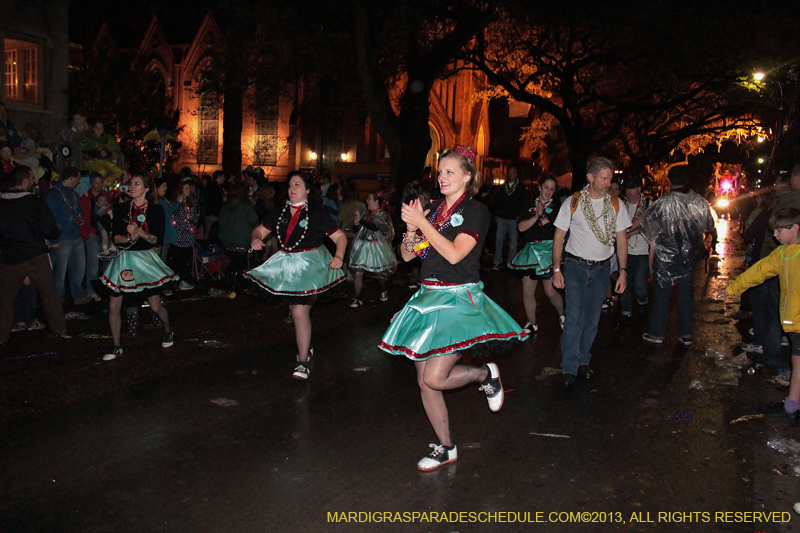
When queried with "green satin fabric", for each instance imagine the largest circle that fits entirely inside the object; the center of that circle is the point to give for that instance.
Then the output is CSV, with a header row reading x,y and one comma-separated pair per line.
x,y
373,256
443,320
135,271
535,256
297,274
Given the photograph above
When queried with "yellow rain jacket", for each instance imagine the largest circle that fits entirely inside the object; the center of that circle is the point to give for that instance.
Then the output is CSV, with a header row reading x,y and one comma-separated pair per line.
x,y
788,272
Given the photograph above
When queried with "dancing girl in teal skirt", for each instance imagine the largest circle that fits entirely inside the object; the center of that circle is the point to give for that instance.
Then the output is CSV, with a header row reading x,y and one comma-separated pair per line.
x,y
302,272
372,252
450,313
535,261
136,269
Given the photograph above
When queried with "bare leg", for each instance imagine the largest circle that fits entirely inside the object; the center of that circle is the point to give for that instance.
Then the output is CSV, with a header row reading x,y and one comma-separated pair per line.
x,y
302,329
358,282
114,319
529,297
157,308
554,296
438,374
794,384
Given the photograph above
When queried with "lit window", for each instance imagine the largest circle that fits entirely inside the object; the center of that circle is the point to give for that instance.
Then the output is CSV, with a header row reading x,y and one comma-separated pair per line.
x,y
266,146
22,71
208,128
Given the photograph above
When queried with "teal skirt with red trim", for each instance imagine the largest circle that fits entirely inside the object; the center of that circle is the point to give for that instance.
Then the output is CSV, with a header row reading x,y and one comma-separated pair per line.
x,y
136,271
298,277
441,319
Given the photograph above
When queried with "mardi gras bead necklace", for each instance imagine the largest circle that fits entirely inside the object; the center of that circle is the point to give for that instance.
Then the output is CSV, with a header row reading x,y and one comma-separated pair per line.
x,y
141,216
440,221
606,234
303,224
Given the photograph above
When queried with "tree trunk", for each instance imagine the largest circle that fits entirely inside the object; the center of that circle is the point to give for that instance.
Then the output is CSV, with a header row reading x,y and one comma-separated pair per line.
x,y
414,139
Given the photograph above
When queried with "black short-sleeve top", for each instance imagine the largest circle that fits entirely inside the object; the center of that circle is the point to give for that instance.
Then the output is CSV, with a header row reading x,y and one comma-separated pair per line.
x,y
154,217
309,232
473,220
540,231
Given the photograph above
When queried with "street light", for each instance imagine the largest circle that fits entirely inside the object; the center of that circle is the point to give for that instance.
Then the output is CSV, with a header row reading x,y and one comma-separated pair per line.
x,y
760,159
758,76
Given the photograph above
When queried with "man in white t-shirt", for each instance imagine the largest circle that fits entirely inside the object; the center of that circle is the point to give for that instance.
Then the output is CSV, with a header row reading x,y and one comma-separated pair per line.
x,y
596,223
638,250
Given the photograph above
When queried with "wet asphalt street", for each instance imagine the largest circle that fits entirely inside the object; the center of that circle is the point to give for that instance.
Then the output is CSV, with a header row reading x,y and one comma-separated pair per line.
x,y
212,434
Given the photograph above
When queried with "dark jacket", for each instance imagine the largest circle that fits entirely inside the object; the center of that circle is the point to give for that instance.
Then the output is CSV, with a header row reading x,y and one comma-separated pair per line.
x,y
508,206
25,223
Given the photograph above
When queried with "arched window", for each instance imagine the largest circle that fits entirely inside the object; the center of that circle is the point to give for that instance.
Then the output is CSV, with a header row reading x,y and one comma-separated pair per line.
x,y
208,128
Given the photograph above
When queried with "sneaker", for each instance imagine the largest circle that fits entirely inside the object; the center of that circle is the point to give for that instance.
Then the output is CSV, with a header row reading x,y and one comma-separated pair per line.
x,y
60,335
584,372
608,303
754,348
167,293
95,297
441,455
384,296
493,388
35,326
112,353
562,320
301,371
686,341
413,285
185,286
530,328
651,339
568,380
356,303
83,301
168,340
496,266
784,341
19,326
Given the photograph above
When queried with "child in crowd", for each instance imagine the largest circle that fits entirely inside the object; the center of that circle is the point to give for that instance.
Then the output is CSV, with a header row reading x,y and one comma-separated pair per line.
x,y
105,214
783,262
6,151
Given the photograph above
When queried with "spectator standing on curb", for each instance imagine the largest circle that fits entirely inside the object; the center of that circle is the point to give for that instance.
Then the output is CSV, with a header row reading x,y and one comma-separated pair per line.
x,y
508,201
25,223
764,298
67,251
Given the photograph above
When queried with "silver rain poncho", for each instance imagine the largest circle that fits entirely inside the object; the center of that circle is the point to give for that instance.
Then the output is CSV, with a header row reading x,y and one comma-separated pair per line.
x,y
675,226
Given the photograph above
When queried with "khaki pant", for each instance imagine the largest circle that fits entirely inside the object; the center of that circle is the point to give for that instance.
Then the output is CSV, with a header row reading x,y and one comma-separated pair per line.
x,y
40,272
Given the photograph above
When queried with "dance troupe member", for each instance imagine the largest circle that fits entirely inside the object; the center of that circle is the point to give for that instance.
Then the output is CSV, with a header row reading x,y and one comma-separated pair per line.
x,y
450,313
372,252
302,272
137,268
535,261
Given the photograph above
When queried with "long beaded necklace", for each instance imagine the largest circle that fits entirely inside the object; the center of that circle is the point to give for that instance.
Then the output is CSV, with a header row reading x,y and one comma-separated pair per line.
x,y
545,205
606,234
637,213
141,215
71,206
303,224
440,222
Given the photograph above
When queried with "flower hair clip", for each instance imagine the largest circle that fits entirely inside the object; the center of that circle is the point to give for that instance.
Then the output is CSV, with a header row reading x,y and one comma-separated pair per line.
x,y
466,152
